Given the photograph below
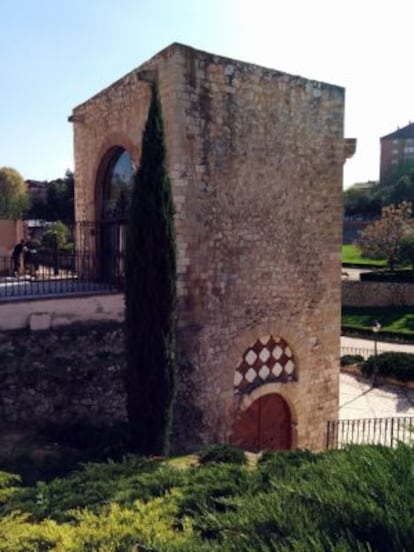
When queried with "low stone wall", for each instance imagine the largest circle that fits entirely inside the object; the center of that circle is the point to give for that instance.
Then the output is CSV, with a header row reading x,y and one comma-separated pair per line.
x,y
63,376
74,375
54,312
376,294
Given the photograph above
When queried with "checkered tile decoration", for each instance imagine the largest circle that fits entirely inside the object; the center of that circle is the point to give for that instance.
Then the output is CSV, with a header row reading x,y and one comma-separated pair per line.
x,y
269,359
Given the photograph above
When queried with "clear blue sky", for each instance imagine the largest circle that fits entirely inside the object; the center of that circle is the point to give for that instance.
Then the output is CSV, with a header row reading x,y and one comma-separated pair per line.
x,y
55,54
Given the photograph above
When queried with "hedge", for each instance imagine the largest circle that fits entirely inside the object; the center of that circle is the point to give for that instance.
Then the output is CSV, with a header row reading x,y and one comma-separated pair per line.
x,y
391,364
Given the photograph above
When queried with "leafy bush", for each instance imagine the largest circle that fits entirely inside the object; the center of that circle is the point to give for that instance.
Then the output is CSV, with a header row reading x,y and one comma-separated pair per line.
x,y
56,236
392,364
347,360
222,454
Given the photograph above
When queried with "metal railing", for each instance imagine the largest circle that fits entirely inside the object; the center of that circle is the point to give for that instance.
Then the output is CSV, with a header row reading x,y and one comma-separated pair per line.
x,y
382,348
372,431
366,353
51,273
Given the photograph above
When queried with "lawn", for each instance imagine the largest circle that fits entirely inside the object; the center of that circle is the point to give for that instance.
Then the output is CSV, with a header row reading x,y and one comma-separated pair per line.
x,y
392,319
352,255
352,500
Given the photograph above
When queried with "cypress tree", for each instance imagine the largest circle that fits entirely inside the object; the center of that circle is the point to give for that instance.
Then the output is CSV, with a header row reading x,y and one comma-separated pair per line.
x,y
151,294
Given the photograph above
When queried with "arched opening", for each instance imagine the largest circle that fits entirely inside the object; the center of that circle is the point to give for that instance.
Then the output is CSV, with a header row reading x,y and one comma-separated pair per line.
x,y
114,188
265,419
265,425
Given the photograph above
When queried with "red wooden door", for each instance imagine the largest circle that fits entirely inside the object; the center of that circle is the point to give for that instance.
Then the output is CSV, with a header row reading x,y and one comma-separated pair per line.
x,y
265,425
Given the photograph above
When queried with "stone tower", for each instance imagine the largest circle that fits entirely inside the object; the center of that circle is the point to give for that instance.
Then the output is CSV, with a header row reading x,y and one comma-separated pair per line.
x,y
255,158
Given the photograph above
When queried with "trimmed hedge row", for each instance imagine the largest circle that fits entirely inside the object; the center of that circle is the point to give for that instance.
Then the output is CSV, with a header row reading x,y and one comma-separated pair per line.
x,y
347,360
390,364
388,276
397,365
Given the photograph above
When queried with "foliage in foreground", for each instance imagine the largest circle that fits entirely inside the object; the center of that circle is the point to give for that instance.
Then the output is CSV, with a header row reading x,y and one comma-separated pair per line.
x,y
222,454
357,499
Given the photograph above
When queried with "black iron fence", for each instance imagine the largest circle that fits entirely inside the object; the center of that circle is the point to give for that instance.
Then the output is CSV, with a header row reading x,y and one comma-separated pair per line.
x,y
49,272
372,431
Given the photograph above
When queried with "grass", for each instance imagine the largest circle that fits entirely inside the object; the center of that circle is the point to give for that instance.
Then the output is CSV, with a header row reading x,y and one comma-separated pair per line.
x,y
351,255
393,320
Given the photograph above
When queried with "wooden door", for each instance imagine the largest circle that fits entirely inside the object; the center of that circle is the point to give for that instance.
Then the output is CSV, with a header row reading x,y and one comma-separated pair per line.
x,y
265,425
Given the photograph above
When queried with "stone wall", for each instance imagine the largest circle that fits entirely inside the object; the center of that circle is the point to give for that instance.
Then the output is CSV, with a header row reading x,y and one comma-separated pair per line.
x,y
75,375
255,158
377,294
11,232
62,376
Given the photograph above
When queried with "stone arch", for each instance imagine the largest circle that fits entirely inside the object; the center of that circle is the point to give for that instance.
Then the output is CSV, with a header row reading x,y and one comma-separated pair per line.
x,y
112,147
113,186
265,337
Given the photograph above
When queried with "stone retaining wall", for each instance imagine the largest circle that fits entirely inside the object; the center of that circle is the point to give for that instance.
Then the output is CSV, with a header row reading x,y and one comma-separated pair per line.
x,y
74,375
377,294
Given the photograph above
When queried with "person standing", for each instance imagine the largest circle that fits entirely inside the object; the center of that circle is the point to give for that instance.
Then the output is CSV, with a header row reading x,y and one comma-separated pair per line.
x,y
17,257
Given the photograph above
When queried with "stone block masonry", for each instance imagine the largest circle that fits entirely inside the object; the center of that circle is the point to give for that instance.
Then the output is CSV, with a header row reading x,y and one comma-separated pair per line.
x,y
255,158
75,375
63,376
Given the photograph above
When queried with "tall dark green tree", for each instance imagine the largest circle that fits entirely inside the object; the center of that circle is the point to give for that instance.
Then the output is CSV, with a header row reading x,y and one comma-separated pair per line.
x,y
151,294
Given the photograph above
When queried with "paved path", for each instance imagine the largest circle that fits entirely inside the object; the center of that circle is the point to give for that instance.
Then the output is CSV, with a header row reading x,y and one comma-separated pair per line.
x,y
358,399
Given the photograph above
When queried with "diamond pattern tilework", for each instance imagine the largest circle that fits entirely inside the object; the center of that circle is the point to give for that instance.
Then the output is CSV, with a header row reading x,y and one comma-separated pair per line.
x,y
277,352
251,375
264,372
277,369
238,378
264,354
289,367
268,359
250,357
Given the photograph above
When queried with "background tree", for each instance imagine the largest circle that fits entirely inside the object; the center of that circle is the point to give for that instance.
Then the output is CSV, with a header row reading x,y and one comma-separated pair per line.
x,y
396,186
56,236
406,249
59,203
150,295
13,194
382,238
361,202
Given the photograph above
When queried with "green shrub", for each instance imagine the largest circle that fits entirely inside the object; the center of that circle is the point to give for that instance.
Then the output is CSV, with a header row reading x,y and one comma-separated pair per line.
x,y
358,499
347,360
56,236
222,454
284,463
392,364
